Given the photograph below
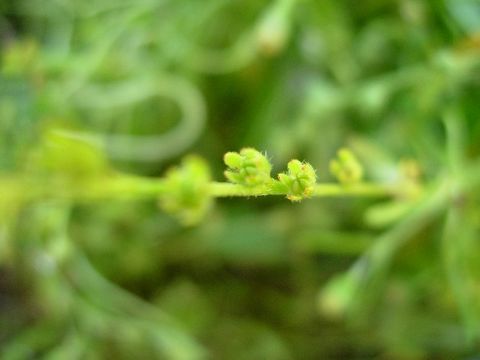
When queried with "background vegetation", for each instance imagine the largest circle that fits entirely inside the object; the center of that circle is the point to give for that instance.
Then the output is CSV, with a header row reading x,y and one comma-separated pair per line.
x,y
149,81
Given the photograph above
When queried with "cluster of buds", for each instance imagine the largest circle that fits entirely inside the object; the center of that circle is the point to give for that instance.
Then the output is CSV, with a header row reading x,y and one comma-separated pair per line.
x,y
346,168
299,181
188,193
249,168
187,196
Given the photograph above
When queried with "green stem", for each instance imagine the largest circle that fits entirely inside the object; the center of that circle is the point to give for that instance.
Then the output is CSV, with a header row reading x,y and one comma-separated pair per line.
x,y
124,187
219,189
223,189
135,187
361,189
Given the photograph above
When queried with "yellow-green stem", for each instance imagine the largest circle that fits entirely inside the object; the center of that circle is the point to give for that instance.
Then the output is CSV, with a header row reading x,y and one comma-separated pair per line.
x,y
135,187
219,189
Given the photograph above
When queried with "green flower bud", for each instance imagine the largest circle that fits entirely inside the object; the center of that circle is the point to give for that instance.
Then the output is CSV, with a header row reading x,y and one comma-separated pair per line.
x,y
249,168
187,196
346,167
299,181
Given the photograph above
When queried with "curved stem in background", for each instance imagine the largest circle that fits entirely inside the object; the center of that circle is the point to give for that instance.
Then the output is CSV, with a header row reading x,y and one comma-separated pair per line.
x,y
145,148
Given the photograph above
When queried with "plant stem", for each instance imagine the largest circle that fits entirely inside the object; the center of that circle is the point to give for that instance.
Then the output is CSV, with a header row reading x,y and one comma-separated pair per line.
x,y
133,187
220,189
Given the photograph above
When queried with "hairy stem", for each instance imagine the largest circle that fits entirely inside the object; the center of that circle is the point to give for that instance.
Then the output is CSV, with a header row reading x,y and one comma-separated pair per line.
x,y
219,189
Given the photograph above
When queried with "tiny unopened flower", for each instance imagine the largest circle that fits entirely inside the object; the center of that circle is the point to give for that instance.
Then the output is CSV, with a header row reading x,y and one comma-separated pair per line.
x,y
249,167
346,167
187,196
299,181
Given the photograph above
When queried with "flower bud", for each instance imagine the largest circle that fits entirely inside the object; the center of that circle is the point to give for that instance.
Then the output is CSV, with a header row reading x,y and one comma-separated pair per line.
x,y
187,195
249,168
346,167
299,181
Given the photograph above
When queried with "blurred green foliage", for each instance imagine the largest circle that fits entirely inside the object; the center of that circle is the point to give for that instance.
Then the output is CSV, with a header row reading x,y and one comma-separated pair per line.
x,y
145,82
